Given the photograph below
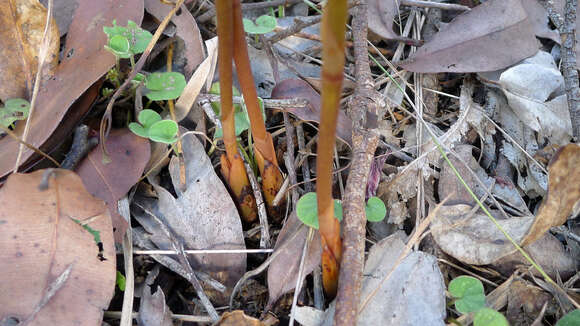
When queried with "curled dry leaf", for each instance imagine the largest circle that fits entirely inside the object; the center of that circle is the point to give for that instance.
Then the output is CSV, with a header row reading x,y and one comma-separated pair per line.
x,y
153,311
297,88
83,63
535,92
491,36
472,238
283,271
203,216
23,24
110,182
463,161
38,241
563,195
197,81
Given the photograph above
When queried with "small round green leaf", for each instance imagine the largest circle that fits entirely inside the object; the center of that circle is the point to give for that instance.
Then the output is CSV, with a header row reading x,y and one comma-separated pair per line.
x,y
137,37
264,24
375,209
307,210
469,293
148,117
489,317
163,131
570,319
164,86
138,130
119,46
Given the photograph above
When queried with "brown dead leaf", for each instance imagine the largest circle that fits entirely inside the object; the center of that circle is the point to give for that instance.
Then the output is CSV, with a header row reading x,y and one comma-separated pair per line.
x,y
283,271
85,61
547,252
110,182
472,238
491,36
525,301
538,17
153,311
237,318
563,192
20,41
39,241
185,102
381,14
297,88
63,13
186,29
203,216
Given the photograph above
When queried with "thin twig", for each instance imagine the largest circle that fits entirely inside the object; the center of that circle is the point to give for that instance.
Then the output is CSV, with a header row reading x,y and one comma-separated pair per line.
x,y
436,5
268,103
204,252
265,241
206,16
126,319
365,139
189,318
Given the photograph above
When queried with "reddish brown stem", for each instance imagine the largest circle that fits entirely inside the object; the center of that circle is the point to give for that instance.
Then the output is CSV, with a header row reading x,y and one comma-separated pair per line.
x,y
263,144
332,31
232,165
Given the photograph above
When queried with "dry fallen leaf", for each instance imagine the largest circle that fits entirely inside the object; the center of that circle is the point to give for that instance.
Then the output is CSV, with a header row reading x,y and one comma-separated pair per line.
x,y
186,29
110,182
23,24
63,13
491,36
563,192
547,252
472,238
42,247
283,271
238,318
203,216
535,92
413,293
197,81
297,88
153,311
381,14
85,61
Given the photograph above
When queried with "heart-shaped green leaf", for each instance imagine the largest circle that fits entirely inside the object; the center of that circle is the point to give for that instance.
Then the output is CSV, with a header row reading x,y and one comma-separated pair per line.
x,y
264,24
469,293
164,86
163,131
489,317
138,130
148,117
307,210
375,209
